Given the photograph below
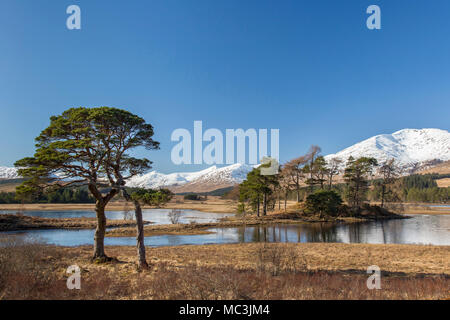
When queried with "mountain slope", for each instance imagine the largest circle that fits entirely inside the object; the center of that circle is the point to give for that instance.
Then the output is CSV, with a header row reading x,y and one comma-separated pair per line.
x,y
8,173
209,179
411,148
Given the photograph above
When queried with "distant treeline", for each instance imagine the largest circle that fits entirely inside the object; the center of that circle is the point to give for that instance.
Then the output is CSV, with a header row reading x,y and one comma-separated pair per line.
x,y
9,181
65,195
413,188
416,188
217,192
82,195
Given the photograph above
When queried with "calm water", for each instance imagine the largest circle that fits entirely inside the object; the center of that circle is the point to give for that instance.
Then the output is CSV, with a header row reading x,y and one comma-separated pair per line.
x,y
156,216
420,229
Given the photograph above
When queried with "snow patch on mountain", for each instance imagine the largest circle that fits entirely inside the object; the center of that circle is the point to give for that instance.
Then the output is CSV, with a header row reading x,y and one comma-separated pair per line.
x,y
409,147
8,173
232,174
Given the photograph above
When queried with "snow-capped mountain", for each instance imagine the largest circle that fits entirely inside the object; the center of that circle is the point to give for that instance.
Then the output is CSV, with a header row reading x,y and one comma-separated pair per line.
x,y
199,181
205,180
411,148
8,173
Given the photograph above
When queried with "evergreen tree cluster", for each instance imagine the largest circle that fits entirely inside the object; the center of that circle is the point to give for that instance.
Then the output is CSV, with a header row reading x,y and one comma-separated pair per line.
x,y
64,195
312,179
415,188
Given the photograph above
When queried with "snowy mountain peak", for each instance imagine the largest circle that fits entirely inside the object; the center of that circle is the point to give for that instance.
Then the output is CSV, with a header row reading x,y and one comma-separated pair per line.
x,y
229,175
8,173
409,147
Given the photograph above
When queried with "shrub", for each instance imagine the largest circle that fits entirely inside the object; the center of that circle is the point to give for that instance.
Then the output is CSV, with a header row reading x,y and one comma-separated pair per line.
x,y
192,196
323,202
174,216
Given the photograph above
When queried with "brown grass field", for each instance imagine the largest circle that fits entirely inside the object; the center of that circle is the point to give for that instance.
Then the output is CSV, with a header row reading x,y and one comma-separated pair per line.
x,y
212,204
240,271
443,183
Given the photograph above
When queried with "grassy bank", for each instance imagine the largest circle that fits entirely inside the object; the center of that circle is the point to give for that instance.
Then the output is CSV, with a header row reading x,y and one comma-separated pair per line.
x,y
212,204
241,271
11,222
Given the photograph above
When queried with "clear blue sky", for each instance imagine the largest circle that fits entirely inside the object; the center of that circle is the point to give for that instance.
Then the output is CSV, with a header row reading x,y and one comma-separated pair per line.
x,y
310,68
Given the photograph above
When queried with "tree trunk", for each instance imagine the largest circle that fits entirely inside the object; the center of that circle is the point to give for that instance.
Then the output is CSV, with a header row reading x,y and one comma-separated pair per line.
x,y
257,206
285,201
139,230
265,204
279,202
99,246
140,235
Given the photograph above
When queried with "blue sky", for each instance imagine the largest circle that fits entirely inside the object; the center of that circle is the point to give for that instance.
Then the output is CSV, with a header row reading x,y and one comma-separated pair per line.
x,y
309,68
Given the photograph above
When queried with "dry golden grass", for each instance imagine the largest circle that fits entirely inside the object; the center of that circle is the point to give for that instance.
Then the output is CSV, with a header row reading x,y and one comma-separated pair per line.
x,y
212,204
8,187
245,271
393,258
442,168
424,208
443,183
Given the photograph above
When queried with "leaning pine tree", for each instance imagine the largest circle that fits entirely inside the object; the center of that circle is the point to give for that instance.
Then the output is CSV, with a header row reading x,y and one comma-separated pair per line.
x,y
88,146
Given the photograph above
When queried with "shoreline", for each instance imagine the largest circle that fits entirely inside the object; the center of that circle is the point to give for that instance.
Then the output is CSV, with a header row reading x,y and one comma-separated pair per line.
x,y
10,222
236,222
127,228
213,204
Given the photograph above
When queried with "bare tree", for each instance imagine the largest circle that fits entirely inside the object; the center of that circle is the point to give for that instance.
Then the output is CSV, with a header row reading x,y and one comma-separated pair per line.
x,y
389,172
285,184
294,173
174,216
310,168
333,165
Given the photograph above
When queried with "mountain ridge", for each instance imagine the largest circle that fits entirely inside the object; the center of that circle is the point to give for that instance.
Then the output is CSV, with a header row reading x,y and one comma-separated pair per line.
x,y
413,149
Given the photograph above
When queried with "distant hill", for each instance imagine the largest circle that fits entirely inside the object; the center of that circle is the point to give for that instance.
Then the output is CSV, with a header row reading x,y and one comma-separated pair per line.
x,y
202,181
413,149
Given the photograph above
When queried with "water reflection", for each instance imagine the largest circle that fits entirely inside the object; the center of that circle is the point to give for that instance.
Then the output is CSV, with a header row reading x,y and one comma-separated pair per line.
x,y
421,229
156,216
